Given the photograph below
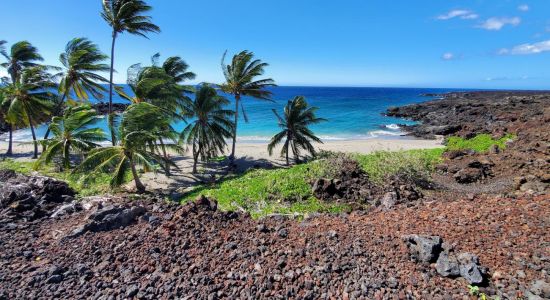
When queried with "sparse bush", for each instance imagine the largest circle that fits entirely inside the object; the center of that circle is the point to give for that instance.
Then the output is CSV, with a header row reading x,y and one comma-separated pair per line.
x,y
479,143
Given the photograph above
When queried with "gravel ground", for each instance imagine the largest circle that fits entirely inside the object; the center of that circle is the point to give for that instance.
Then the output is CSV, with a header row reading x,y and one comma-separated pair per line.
x,y
194,252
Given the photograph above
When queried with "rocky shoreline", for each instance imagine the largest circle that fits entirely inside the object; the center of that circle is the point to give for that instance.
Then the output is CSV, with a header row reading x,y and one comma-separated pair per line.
x,y
483,220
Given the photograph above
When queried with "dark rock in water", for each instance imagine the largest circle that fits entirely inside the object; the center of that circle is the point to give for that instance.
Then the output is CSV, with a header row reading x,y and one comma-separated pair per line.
x,y
424,249
470,268
31,197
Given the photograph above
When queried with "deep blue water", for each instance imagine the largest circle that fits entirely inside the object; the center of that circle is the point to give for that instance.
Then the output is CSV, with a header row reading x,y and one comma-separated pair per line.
x,y
352,113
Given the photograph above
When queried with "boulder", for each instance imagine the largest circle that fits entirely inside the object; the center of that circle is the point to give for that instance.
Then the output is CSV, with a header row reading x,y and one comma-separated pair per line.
x,y
423,248
470,268
447,265
109,218
468,175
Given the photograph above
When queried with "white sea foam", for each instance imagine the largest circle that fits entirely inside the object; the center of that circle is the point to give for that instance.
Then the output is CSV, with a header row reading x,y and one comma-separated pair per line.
x,y
393,126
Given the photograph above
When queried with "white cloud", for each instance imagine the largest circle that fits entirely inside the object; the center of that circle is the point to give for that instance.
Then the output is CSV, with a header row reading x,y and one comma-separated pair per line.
x,y
458,13
498,23
523,7
448,56
525,49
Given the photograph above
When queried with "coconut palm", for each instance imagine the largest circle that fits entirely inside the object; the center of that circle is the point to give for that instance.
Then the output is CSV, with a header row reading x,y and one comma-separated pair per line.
x,y
241,80
210,127
21,55
176,67
81,61
29,99
298,116
72,133
124,16
141,126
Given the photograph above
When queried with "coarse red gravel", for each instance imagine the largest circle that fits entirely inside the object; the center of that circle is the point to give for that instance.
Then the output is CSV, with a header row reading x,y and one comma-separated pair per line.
x,y
193,252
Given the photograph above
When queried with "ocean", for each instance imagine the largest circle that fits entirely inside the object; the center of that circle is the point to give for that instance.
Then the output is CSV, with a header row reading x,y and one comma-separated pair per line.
x,y
352,113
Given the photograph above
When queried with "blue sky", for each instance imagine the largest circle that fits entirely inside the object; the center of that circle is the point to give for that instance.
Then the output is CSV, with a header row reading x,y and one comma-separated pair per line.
x,y
403,43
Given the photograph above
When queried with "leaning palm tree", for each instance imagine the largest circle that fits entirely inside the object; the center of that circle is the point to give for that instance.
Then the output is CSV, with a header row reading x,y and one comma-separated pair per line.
x,y
124,16
141,125
30,100
161,86
72,133
210,127
81,61
241,80
21,55
298,116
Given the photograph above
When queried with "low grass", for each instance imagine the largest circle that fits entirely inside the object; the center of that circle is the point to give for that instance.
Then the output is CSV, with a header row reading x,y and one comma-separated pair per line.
x,y
479,143
381,164
95,185
288,191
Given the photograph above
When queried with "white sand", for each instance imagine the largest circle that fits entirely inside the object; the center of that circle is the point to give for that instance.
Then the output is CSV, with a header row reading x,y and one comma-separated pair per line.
x,y
248,155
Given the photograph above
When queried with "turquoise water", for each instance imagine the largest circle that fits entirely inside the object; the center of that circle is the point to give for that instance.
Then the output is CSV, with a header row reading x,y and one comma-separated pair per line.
x,y
352,113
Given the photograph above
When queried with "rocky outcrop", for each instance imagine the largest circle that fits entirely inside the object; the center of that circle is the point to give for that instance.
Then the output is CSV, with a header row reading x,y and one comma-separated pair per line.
x,y
109,218
352,185
429,249
31,197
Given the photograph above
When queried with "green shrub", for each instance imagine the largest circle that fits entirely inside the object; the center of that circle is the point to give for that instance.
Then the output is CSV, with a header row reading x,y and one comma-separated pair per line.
x,y
479,143
288,191
95,185
381,164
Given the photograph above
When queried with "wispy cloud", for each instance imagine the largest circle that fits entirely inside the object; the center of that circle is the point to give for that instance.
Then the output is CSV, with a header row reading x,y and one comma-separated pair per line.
x,y
525,49
458,13
450,56
523,7
499,23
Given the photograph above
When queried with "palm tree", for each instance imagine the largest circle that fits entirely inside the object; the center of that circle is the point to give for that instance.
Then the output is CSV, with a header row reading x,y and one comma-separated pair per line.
x,y
72,133
124,16
81,61
162,87
140,127
294,124
211,125
22,55
240,80
29,99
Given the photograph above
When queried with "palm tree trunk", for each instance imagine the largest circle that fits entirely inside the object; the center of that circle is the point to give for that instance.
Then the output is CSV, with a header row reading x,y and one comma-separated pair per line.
x,y
195,159
56,113
287,163
167,167
111,117
66,156
139,186
35,153
10,141
237,99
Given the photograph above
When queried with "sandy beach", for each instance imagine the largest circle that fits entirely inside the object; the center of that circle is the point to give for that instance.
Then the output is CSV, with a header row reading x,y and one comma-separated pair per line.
x,y
249,155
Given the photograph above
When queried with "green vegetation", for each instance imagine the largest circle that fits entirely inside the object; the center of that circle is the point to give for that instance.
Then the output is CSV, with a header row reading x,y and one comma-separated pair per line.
x,y
206,134
295,122
479,143
386,163
93,185
241,79
288,191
